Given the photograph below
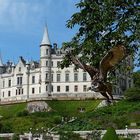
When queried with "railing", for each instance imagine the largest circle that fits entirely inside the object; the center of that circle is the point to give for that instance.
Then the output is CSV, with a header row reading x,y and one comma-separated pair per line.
x,y
124,132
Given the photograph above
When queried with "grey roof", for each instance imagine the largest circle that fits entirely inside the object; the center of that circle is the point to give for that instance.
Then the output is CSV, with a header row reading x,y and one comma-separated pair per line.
x,y
45,40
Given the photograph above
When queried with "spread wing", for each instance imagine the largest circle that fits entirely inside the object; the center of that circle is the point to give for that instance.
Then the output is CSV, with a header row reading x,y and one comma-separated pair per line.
x,y
90,69
111,59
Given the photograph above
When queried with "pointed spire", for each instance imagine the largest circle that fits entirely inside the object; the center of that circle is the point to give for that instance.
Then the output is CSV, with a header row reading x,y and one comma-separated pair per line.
x,y
45,40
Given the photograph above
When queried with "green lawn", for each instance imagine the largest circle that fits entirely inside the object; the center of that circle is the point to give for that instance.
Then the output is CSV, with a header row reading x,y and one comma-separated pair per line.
x,y
11,110
117,115
71,108
13,122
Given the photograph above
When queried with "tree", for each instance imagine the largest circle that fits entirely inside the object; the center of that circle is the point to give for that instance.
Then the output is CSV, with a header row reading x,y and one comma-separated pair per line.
x,y
103,23
110,135
136,77
132,94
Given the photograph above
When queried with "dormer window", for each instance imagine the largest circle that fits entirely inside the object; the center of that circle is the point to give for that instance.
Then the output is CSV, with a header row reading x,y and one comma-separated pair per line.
x,y
58,52
19,69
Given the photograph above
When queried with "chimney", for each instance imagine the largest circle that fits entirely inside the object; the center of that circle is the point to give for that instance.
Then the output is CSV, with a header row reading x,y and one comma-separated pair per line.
x,y
55,46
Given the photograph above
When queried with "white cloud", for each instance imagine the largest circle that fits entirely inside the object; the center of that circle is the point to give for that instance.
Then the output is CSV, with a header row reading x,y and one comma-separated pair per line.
x,y
3,6
20,15
17,13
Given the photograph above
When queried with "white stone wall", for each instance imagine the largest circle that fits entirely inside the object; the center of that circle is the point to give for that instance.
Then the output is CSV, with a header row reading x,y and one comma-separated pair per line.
x,y
40,86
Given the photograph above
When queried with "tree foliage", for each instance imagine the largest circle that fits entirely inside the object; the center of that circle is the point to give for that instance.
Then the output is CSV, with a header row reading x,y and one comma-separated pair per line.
x,y
15,137
110,135
132,94
136,77
69,135
102,24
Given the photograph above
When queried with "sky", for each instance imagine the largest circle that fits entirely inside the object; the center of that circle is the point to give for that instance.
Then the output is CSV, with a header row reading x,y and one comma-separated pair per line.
x,y
22,25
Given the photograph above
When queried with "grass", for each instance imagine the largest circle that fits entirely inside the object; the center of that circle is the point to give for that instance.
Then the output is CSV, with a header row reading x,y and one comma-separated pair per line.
x,y
12,122
117,116
11,110
71,108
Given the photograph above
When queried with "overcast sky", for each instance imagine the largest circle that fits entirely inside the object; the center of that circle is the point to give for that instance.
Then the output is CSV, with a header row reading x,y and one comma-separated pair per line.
x,y
22,25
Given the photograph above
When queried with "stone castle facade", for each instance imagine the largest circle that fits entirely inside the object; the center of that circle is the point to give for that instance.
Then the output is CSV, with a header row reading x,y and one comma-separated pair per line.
x,y
43,79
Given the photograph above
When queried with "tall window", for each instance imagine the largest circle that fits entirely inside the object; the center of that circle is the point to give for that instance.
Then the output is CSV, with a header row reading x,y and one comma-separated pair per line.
x,y
47,64
67,77
76,88
19,80
84,76
52,77
52,63
47,51
58,88
75,76
3,93
58,63
22,91
58,77
67,88
9,93
33,79
19,91
9,83
33,90
51,88
84,88
47,76
47,88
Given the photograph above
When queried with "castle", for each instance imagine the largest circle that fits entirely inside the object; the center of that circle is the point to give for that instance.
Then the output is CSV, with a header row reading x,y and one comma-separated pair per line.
x,y
44,79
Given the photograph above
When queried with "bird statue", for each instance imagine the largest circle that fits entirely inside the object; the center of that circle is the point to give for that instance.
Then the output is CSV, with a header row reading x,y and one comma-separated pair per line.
x,y
98,76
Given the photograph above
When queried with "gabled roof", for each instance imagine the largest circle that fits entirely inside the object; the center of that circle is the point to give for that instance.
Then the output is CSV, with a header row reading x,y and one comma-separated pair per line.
x,y
45,40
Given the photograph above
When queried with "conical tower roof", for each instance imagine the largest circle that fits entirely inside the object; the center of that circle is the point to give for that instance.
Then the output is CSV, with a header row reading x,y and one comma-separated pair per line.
x,y
45,40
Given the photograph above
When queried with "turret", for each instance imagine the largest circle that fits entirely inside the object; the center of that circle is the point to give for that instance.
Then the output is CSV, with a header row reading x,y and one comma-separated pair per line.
x,y
45,45
45,63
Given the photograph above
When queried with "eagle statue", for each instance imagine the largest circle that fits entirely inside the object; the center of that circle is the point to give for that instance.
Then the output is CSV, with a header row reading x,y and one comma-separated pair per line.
x,y
98,76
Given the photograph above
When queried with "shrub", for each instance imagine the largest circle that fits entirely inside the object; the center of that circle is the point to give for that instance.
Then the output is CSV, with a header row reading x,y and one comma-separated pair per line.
x,y
23,113
15,137
132,94
69,136
110,134
57,119
6,128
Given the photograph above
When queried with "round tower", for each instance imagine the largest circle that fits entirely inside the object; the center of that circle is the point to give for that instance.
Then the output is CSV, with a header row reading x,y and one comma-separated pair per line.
x,y
45,64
